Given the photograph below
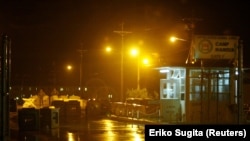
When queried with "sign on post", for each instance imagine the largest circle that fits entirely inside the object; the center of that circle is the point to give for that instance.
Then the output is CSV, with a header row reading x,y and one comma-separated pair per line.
x,y
215,47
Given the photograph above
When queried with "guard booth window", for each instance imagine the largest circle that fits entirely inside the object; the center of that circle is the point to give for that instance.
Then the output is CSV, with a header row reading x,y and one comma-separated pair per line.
x,y
209,84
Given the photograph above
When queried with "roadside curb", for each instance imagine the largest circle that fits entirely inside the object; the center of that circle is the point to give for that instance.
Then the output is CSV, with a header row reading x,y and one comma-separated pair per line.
x,y
134,120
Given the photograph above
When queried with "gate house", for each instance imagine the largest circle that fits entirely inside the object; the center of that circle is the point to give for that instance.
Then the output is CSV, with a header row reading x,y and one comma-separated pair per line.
x,y
205,94
196,95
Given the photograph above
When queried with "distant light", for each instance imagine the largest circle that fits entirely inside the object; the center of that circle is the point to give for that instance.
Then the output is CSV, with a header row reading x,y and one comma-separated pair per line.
x,y
134,52
69,67
173,39
145,61
61,89
108,49
164,71
110,96
236,72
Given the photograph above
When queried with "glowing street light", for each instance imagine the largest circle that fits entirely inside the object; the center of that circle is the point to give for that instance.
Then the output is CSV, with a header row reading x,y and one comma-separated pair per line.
x,y
134,52
145,61
108,49
174,39
69,67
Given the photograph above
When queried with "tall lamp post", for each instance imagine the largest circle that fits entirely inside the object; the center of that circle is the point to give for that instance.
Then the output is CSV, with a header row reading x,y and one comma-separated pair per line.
x,y
122,33
135,52
140,60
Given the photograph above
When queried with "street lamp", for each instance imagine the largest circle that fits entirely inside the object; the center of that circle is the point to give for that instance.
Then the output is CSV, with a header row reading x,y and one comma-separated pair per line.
x,y
174,39
69,67
135,52
140,60
108,49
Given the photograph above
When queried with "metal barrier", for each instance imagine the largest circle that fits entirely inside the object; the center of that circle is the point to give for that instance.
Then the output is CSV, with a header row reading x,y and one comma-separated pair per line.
x,y
135,111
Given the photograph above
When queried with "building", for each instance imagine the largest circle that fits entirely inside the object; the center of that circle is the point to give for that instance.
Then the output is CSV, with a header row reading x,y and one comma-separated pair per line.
x,y
205,94
199,95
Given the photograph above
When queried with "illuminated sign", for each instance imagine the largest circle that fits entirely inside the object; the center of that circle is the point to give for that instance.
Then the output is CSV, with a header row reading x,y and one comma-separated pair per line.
x,y
215,47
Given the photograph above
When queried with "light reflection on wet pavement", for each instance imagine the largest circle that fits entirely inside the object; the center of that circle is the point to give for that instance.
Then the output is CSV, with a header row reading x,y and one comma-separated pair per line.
x,y
91,130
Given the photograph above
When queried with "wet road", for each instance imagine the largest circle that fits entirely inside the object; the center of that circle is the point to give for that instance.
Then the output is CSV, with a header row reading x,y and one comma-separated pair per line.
x,y
92,130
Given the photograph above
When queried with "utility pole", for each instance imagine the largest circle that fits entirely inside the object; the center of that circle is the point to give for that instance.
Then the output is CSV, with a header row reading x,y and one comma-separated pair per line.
x,y
81,51
191,23
122,33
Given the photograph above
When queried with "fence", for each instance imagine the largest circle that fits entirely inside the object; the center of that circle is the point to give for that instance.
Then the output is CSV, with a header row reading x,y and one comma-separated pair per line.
x,y
136,111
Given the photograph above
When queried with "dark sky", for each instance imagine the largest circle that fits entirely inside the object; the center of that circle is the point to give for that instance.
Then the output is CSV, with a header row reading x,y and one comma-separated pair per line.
x,y
46,34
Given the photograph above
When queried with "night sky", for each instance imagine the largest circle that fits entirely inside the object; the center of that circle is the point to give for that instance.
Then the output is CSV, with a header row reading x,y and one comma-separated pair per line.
x,y
46,34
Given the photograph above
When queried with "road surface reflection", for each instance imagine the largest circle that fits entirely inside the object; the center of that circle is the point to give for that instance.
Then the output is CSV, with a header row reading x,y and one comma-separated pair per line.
x,y
91,130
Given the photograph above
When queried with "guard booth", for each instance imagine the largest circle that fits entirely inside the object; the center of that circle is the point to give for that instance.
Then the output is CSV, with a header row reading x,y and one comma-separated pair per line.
x,y
196,95
172,91
205,93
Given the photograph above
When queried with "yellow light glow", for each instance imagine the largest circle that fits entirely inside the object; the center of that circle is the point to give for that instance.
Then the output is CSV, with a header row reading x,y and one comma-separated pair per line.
x,y
134,52
71,136
69,67
111,136
135,129
145,61
108,49
173,39
137,137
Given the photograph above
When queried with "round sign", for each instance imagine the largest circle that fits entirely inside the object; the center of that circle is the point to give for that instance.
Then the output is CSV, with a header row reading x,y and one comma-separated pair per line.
x,y
205,46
